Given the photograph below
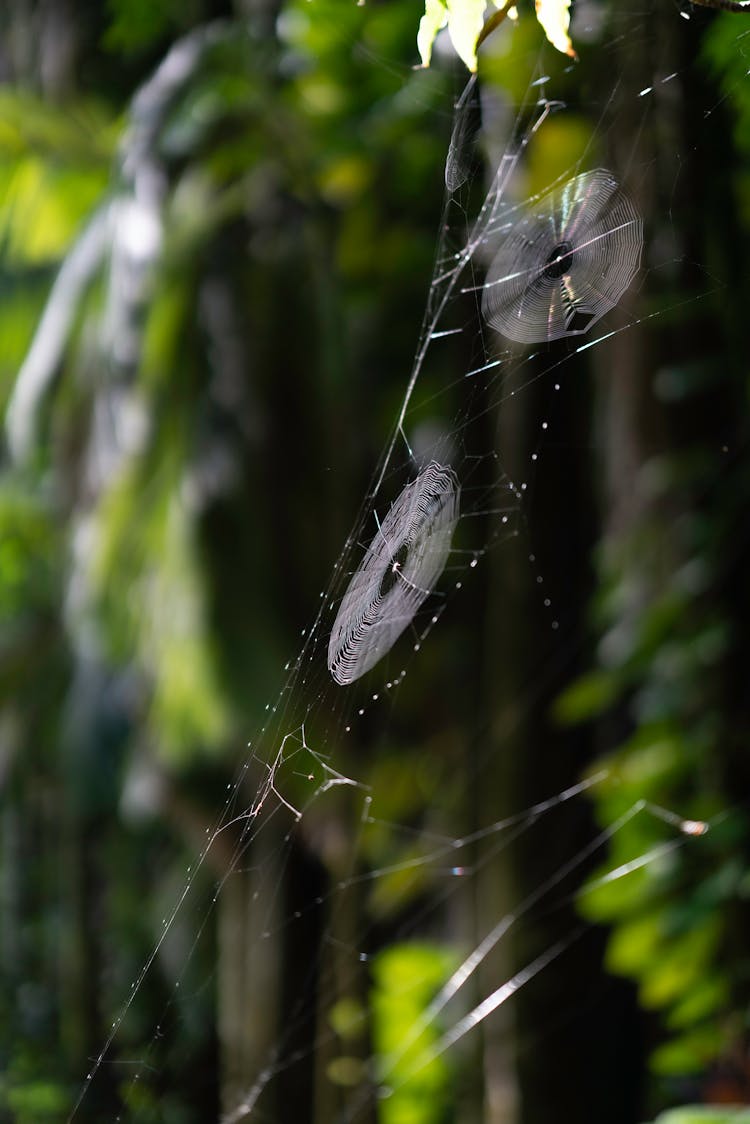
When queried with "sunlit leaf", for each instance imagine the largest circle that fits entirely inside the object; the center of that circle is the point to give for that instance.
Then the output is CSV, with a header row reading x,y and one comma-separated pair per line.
x,y
554,16
163,623
632,943
42,207
465,22
406,978
466,26
468,29
83,137
434,19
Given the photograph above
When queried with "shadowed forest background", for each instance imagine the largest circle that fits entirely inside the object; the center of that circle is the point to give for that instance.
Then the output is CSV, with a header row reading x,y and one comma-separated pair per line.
x,y
217,232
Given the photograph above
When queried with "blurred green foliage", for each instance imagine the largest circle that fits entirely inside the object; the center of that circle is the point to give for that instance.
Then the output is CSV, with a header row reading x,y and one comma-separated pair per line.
x,y
406,977
674,918
701,1114
206,188
669,616
249,207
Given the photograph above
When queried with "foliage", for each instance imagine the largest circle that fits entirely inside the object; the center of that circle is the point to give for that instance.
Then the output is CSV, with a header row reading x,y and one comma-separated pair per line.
x,y
467,27
669,617
161,231
673,919
406,977
701,1114
212,264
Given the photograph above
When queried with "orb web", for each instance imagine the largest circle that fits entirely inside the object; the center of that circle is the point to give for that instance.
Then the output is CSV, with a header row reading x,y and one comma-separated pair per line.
x,y
566,262
460,158
325,762
401,566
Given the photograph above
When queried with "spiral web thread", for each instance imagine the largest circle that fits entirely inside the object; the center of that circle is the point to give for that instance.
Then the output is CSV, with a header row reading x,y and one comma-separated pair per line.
x,y
564,230
566,262
460,158
401,566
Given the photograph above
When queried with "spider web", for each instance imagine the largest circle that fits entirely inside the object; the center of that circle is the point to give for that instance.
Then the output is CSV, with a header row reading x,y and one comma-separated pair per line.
x,y
315,774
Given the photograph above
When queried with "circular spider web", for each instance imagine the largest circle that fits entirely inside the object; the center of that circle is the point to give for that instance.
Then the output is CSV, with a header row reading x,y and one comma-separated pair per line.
x,y
567,261
402,564
459,160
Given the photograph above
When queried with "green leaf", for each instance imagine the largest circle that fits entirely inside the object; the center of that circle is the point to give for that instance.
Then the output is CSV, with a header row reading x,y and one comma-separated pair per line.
x,y
704,1114
137,25
348,1017
465,23
43,206
406,978
707,996
554,16
676,968
586,698
632,944
38,1101
434,19
691,1053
